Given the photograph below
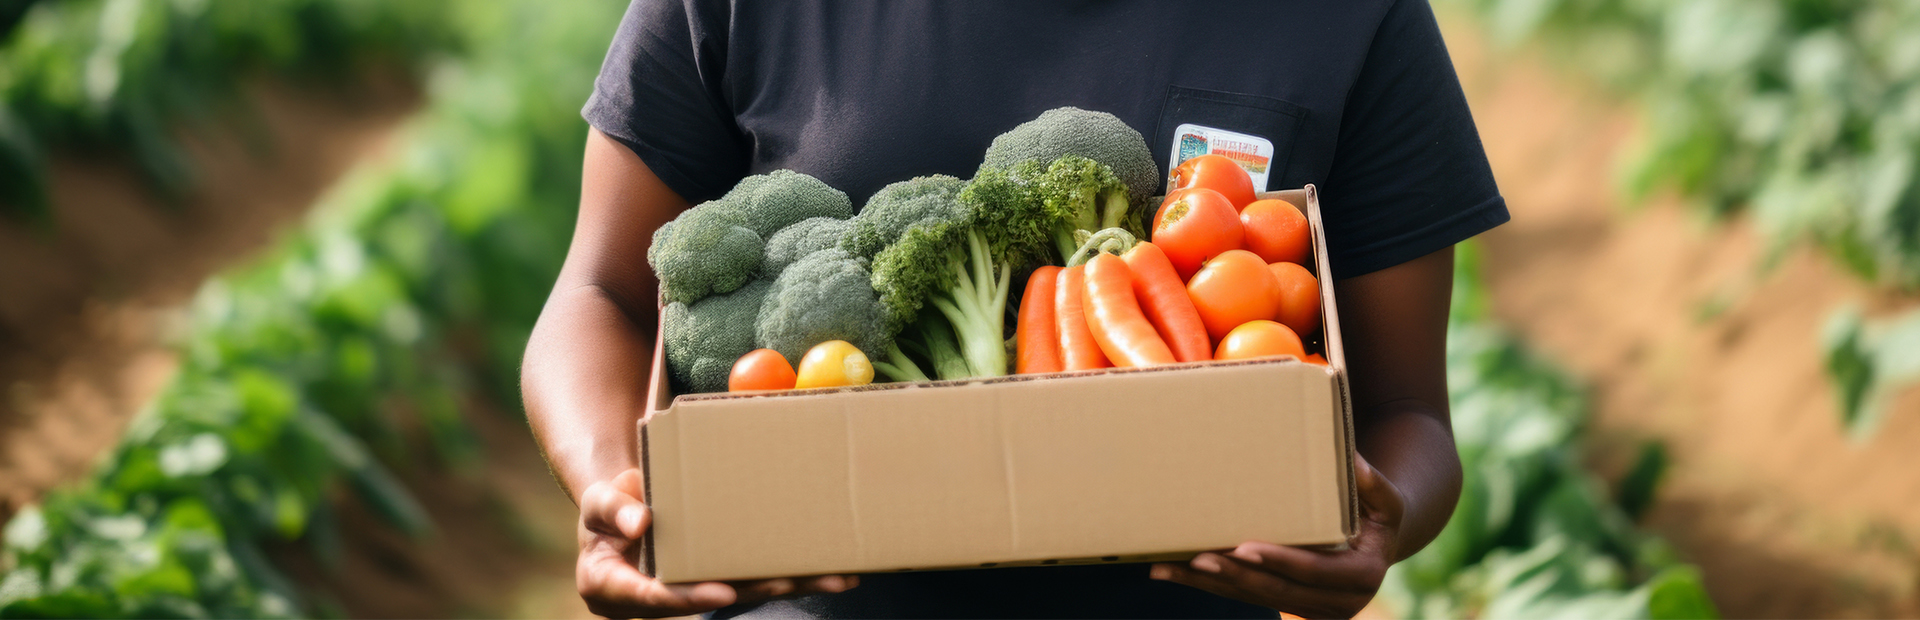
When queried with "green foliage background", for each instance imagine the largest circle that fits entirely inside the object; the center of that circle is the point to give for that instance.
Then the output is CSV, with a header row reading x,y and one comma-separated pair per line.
x,y
409,295
1804,114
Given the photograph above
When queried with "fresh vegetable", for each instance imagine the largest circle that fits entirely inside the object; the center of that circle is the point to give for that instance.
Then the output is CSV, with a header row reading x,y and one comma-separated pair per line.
x,y
1098,136
834,363
719,246
1078,350
1072,197
957,264
1163,297
1196,225
1262,338
761,369
802,238
898,207
1115,318
1234,287
1214,172
1158,289
1037,336
826,295
1276,231
778,199
703,339
1299,297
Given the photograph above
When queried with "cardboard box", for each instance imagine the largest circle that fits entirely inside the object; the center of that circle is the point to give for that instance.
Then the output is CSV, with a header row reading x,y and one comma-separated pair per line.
x,y
1120,465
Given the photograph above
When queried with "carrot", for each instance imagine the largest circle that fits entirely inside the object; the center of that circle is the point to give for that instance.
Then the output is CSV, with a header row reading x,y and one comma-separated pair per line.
x,y
1078,350
1037,336
1163,297
1115,317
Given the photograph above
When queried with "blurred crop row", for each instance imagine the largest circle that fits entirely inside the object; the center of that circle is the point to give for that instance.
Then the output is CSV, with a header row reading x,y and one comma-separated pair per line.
x,y
406,300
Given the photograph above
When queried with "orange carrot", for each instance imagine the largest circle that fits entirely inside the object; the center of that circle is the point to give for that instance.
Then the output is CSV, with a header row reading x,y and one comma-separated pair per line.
x,y
1037,336
1115,318
1163,297
1078,350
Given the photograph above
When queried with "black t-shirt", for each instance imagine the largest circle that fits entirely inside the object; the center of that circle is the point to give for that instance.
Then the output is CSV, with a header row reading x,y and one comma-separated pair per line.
x,y
1356,96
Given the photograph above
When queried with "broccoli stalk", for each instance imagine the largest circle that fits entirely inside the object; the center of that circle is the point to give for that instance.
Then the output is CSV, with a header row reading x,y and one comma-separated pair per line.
x,y
976,306
1074,195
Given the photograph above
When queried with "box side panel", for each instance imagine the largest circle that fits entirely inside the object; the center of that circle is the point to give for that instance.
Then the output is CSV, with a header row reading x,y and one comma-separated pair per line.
x,y
1201,459
1131,464
1336,355
762,489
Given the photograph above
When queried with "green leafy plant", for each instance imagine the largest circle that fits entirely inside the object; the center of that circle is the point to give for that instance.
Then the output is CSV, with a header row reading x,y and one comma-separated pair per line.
x,y
407,296
1534,534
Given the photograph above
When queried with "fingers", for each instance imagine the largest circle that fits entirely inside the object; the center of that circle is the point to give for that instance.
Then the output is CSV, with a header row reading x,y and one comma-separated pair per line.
x,y
1241,581
609,509
1378,495
765,589
613,587
1361,572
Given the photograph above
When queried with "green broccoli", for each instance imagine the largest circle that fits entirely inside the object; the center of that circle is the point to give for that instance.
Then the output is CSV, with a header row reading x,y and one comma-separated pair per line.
x,y
826,295
778,199
704,338
899,206
961,266
1098,136
802,238
719,245
708,250
1079,194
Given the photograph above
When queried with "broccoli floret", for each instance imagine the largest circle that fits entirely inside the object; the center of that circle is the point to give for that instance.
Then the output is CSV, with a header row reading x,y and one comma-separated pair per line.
x,y
708,250
778,199
1076,194
1098,136
704,338
899,206
826,295
961,268
802,238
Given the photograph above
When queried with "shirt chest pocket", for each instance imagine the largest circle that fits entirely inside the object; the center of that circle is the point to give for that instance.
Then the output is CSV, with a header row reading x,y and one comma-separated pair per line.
x,y
1259,132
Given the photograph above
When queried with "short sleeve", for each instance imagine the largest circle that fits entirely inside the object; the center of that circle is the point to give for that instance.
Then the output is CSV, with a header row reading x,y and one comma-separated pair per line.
x,y
660,92
1409,174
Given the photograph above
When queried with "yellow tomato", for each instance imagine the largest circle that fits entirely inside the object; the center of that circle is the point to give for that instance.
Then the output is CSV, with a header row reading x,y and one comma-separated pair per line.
x,y
834,363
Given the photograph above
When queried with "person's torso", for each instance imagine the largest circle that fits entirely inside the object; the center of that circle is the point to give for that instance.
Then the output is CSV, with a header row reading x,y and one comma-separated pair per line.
x,y
863,93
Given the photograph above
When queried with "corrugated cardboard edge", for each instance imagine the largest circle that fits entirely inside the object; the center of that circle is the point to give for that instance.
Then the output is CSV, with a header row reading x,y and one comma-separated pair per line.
x,y
661,397
1336,348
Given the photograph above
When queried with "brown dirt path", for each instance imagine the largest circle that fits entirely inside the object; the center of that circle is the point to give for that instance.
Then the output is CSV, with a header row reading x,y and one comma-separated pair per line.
x,y
87,304
1785,515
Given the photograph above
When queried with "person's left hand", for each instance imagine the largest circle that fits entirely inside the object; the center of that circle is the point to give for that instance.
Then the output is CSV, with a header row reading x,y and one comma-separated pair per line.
x,y
1314,584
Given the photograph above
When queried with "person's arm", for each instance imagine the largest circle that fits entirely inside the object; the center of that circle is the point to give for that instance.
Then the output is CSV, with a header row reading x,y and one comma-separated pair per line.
x,y
1394,326
584,382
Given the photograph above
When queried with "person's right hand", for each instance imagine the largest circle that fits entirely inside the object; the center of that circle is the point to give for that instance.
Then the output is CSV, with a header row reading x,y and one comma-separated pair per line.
x,y
612,519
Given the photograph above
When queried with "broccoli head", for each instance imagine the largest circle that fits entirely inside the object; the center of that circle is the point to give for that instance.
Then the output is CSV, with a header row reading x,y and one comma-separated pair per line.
x,y
778,199
898,207
1061,201
703,339
709,249
826,295
1098,136
802,238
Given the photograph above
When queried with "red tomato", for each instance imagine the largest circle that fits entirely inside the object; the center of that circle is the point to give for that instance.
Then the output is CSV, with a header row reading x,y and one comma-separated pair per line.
x,y
1276,231
1259,339
1195,225
761,369
1234,287
1299,297
1214,172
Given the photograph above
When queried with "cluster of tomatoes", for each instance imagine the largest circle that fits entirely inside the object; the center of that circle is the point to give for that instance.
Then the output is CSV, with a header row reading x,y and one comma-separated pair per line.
x,y
1244,260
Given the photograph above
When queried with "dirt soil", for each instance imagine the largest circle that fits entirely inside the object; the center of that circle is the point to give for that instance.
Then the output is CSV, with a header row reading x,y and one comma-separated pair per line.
x,y
88,302
1786,516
